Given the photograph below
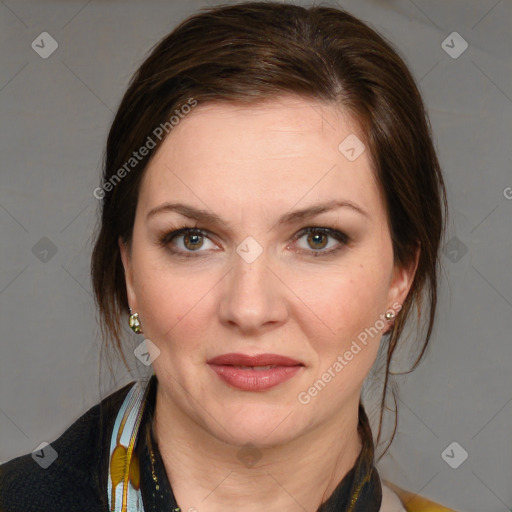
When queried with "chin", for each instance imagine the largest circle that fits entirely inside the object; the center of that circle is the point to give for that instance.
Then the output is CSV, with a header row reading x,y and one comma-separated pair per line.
x,y
260,425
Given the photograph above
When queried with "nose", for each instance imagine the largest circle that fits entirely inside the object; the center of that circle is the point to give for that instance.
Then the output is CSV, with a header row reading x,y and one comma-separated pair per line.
x,y
253,299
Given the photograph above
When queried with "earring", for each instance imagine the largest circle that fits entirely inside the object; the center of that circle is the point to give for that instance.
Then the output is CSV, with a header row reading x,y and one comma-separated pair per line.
x,y
134,323
390,315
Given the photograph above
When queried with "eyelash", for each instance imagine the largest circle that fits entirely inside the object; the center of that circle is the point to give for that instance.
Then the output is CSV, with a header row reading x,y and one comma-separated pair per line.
x,y
166,239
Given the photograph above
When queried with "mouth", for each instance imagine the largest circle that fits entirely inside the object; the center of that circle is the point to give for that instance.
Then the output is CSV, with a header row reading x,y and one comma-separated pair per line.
x,y
254,373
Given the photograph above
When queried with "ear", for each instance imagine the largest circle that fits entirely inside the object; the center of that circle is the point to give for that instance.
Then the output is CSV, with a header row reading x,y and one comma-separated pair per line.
x,y
401,281
128,273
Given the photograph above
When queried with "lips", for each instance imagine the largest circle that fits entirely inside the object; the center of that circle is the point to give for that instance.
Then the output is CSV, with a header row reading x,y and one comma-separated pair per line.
x,y
254,373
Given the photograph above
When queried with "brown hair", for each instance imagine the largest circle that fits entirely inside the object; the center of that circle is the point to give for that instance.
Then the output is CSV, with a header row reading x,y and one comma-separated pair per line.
x,y
251,52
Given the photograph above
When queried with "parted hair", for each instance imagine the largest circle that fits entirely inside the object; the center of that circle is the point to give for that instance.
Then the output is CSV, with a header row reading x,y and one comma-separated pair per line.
x,y
252,52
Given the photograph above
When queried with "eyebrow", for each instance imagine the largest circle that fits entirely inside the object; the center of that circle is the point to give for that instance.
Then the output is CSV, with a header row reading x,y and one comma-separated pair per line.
x,y
205,216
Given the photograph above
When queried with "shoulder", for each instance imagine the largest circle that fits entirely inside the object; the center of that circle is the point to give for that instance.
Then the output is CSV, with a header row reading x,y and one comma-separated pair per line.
x,y
76,479
395,499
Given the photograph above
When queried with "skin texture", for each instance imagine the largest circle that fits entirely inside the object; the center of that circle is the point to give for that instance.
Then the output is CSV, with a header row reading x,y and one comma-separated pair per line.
x,y
250,166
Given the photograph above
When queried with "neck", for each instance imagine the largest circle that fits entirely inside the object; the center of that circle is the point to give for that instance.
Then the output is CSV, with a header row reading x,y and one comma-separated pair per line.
x,y
207,475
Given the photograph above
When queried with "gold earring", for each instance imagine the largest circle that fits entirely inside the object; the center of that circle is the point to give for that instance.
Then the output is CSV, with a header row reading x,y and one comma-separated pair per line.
x,y
134,323
390,315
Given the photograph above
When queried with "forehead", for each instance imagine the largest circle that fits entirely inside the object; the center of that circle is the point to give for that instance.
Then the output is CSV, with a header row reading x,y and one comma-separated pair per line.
x,y
283,151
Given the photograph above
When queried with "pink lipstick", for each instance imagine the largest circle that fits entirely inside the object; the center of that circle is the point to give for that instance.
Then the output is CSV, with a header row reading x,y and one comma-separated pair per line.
x,y
254,373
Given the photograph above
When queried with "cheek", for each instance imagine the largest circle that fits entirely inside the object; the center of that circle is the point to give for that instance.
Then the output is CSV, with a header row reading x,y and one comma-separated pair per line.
x,y
173,305
344,329
344,302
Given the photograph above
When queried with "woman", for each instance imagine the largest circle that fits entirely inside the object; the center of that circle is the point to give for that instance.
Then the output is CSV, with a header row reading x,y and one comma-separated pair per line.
x,y
272,210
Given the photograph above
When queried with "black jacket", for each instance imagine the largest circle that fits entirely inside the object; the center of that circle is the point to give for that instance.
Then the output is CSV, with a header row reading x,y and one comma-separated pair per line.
x,y
76,480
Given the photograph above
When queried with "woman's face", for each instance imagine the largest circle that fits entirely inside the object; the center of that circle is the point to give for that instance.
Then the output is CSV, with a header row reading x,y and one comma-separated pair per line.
x,y
284,251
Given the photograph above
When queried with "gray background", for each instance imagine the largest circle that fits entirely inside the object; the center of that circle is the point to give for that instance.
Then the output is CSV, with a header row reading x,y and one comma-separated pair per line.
x,y
55,115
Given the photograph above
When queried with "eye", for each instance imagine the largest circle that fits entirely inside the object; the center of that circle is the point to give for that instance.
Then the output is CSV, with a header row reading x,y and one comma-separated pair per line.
x,y
187,240
321,241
